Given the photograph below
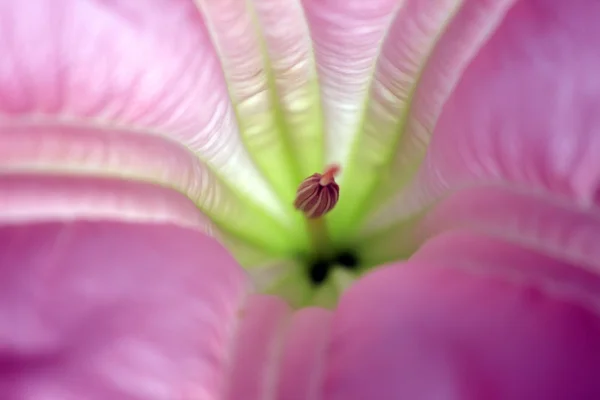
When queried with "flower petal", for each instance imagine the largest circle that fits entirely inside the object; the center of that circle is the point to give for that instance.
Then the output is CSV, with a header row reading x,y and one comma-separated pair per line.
x,y
106,310
303,359
516,262
257,355
555,228
346,37
91,151
279,354
524,112
108,82
435,331
425,52
272,81
289,47
27,198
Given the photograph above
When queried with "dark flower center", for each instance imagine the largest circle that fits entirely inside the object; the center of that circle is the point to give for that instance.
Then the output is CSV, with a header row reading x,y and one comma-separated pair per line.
x,y
319,269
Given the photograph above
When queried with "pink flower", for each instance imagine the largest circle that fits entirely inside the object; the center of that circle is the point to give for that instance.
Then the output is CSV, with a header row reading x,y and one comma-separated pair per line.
x,y
468,136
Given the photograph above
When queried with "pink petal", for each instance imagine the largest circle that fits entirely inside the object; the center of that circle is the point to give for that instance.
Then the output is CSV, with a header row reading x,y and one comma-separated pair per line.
x,y
254,366
279,354
303,359
430,330
136,69
291,59
266,55
106,310
33,198
516,262
552,226
525,110
428,46
346,37
66,150
556,228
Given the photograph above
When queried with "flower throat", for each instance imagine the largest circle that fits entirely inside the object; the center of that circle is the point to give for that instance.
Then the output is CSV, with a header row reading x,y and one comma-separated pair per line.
x,y
316,196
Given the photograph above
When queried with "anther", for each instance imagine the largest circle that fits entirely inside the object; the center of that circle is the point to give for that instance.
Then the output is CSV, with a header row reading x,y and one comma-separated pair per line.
x,y
318,194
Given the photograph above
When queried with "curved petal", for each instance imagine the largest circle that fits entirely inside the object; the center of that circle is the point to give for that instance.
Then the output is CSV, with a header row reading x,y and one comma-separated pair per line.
x,y
556,228
288,44
424,330
524,111
424,54
347,35
258,349
303,360
266,55
59,150
517,262
106,310
133,91
279,354
26,198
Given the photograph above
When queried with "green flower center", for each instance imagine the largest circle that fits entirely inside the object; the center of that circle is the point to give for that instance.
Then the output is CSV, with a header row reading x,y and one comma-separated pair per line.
x,y
316,196
324,266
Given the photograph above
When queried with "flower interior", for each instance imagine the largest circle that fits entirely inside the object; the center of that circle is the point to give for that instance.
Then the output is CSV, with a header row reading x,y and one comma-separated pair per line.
x,y
232,105
282,65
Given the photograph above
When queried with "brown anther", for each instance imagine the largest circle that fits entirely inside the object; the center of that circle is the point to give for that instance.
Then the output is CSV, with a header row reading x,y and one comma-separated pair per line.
x,y
318,194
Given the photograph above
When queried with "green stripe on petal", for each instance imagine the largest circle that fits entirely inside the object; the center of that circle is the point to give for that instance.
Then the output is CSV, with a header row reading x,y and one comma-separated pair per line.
x,y
425,53
93,149
346,37
412,38
272,85
288,45
248,223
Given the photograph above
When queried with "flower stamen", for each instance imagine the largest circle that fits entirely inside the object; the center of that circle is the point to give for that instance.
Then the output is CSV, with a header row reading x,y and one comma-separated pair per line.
x,y
318,194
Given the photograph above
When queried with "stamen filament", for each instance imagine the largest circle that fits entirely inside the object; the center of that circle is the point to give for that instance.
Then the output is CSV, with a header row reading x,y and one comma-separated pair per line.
x,y
319,236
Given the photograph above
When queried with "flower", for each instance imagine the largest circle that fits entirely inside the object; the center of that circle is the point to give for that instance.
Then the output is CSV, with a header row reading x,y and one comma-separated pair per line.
x,y
466,134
